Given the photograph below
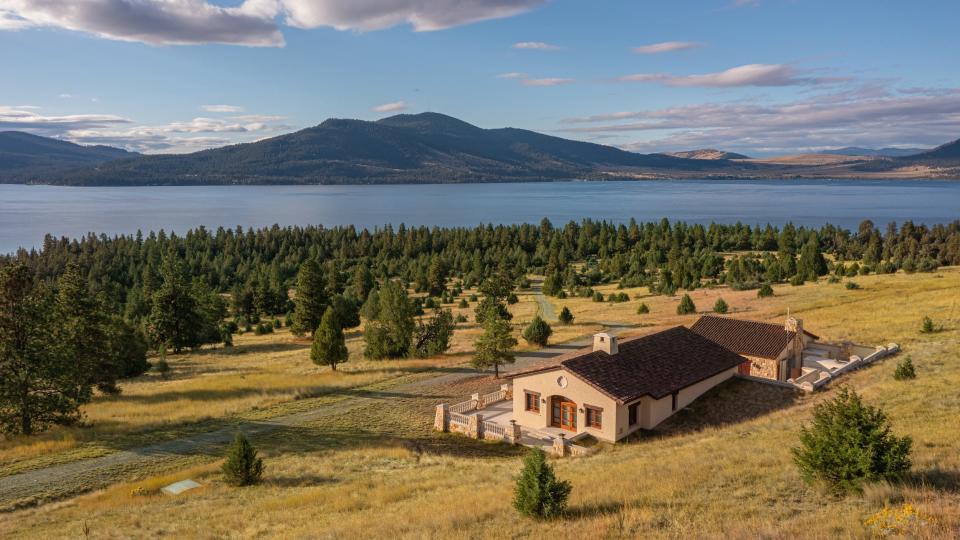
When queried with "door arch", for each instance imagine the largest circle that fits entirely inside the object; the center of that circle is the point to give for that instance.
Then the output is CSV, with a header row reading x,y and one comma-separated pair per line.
x,y
563,413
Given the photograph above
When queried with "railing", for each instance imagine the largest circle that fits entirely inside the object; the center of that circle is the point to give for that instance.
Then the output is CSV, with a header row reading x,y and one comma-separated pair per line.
x,y
493,431
457,418
492,397
463,407
577,450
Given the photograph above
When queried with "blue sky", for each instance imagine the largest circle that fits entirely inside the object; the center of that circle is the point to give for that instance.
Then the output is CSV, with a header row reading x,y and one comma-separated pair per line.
x,y
761,77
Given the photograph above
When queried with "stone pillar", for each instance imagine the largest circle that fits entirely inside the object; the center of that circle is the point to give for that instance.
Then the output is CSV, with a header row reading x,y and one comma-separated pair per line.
x,y
475,426
513,432
560,445
476,401
441,421
508,392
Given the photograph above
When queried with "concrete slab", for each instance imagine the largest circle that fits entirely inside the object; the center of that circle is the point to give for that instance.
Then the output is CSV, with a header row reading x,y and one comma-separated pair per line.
x,y
177,488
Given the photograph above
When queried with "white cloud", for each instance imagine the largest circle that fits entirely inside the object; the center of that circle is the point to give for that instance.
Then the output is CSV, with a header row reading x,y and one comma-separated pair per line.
x,y
819,122
66,96
222,108
555,81
512,75
536,46
392,107
28,119
746,75
666,46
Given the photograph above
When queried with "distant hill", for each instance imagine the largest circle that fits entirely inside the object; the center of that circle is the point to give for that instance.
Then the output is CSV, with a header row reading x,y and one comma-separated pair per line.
x,y
22,153
427,147
707,153
948,151
873,152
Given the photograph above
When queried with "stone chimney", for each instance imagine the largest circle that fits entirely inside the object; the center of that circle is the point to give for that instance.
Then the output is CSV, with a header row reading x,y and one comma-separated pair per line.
x,y
605,342
793,324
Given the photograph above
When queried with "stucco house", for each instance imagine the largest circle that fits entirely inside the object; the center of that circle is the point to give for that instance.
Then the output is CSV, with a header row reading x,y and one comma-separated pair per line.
x,y
773,351
614,388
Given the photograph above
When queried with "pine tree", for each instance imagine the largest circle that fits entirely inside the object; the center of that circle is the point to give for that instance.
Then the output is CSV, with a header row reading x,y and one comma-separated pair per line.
x,y
765,291
329,347
720,306
495,346
566,316
538,493
175,317
643,309
84,327
686,306
311,300
433,337
390,334
362,282
242,466
812,264
537,332
436,276
905,370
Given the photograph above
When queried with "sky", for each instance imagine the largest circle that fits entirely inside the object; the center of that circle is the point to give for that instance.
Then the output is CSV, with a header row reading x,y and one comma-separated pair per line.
x,y
761,77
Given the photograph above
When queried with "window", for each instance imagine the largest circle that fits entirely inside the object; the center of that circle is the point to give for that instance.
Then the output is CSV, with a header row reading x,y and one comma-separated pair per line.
x,y
675,401
634,413
594,417
532,401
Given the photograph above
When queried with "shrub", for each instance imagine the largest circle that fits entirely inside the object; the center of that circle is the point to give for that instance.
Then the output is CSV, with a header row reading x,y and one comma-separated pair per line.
x,y
263,329
460,318
242,467
473,297
598,296
562,294
512,299
928,327
277,324
566,316
833,279
643,309
850,443
463,303
720,306
797,280
765,291
537,332
686,306
538,493
162,367
905,370
852,286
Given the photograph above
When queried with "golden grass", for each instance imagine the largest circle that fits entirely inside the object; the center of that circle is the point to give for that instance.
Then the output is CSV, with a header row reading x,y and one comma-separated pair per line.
x,y
379,472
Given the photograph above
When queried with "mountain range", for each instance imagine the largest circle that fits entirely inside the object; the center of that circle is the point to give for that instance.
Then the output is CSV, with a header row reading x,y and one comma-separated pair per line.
x,y
418,148
874,152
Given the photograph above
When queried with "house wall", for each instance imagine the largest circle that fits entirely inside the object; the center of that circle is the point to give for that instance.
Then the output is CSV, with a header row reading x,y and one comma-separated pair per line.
x,y
768,368
576,390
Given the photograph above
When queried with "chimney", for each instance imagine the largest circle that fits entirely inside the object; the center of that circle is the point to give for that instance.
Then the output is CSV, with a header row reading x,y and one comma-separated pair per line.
x,y
793,324
605,342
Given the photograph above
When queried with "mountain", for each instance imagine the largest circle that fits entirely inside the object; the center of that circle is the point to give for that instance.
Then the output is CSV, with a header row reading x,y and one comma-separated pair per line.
x,y
406,148
873,152
22,153
707,153
945,152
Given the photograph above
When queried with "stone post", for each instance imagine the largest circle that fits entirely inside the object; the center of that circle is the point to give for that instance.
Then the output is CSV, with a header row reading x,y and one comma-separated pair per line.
x,y
507,391
441,421
560,445
475,426
513,432
476,401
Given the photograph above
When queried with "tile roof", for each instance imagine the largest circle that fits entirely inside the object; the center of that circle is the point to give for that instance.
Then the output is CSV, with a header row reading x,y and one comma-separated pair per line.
x,y
752,338
656,365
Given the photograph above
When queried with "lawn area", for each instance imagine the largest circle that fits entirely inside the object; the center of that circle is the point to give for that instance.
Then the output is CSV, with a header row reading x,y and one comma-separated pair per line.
x,y
718,470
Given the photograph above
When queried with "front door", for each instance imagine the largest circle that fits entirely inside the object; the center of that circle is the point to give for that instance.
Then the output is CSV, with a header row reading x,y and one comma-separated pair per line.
x,y
744,368
563,413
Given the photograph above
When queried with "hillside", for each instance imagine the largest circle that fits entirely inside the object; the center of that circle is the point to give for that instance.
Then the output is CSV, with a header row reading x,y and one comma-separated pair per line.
x,y
427,147
707,153
23,153
874,152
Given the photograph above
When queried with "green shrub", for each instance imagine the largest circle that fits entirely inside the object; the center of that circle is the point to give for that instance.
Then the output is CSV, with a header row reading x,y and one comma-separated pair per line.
x,y
538,493
473,297
643,309
538,332
765,291
512,299
566,316
834,279
162,367
849,443
460,318
562,294
928,327
242,467
686,306
905,370
797,280
720,306
852,285
598,296
463,303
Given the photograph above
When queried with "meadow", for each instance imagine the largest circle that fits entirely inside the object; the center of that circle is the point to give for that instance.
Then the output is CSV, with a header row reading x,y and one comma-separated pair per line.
x,y
720,469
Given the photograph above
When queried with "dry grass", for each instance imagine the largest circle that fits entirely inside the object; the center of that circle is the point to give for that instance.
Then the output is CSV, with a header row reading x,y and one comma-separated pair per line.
x,y
381,473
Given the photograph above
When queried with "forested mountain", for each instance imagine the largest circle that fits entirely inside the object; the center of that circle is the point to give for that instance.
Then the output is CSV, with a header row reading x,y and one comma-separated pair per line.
x,y
427,147
22,153
873,152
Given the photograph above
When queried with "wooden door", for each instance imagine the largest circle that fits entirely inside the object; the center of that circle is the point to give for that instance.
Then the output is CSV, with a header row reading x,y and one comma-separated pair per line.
x,y
744,368
563,413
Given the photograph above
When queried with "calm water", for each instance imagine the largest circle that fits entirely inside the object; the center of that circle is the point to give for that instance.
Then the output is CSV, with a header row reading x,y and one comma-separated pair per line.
x,y
29,212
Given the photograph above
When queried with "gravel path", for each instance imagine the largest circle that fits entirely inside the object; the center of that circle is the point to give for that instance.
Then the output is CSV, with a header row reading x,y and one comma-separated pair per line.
x,y
546,308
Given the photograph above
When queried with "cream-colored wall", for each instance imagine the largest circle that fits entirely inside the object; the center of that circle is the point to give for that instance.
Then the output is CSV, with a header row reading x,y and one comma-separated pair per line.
x,y
581,393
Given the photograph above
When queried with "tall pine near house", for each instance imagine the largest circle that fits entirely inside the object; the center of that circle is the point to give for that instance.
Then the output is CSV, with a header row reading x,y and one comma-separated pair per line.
x,y
329,347
242,467
495,346
538,493
310,300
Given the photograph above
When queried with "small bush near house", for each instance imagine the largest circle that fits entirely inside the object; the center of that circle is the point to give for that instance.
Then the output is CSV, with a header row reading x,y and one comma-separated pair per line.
x,y
538,493
686,306
765,291
566,316
905,370
643,309
242,467
538,332
720,306
850,443
852,285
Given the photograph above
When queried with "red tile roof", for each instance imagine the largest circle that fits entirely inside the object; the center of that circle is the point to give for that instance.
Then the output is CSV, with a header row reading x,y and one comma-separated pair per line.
x,y
751,338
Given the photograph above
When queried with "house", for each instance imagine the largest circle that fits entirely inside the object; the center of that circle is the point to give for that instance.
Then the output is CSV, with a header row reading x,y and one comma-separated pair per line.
x,y
614,388
772,351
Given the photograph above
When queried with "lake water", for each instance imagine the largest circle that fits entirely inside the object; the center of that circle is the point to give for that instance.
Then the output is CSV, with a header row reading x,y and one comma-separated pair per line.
x,y
29,212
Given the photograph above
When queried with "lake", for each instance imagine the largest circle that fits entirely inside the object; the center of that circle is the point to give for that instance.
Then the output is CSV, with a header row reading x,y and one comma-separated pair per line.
x,y
29,212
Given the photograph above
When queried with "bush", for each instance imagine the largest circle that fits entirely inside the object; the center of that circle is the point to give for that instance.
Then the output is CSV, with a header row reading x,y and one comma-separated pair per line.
x,y
162,367
849,443
463,303
928,327
263,329
473,297
686,306
643,309
566,316
277,324
720,306
537,332
834,279
797,280
598,296
243,467
619,297
562,294
538,493
460,318
905,370
765,291
852,286
512,299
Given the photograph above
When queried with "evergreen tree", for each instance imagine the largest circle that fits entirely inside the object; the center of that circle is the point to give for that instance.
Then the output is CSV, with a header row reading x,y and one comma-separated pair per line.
x,y
329,347
242,466
812,264
905,370
491,308
537,332
362,282
389,335
495,346
346,310
311,298
538,493
643,309
175,317
433,337
850,443
765,291
566,316
720,306
686,306
84,331
436,276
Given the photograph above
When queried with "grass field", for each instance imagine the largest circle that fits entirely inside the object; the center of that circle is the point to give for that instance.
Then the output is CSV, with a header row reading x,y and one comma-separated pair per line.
x,y
722,469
